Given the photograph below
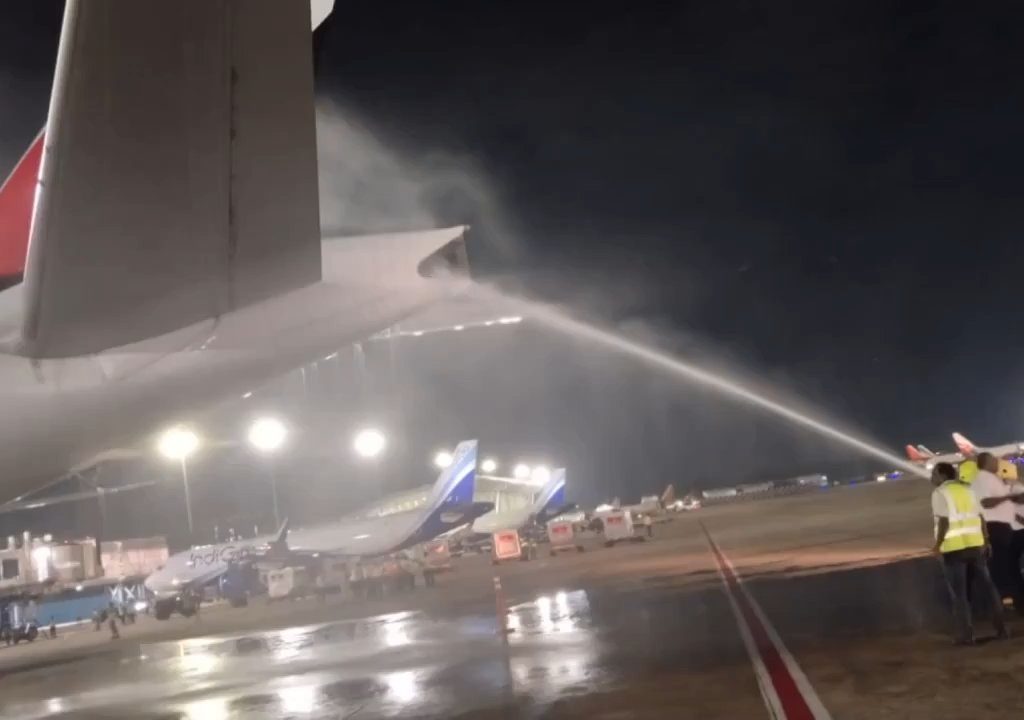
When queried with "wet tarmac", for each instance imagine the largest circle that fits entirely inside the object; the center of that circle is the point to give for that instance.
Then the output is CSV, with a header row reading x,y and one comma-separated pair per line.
x,y
569,642
640,631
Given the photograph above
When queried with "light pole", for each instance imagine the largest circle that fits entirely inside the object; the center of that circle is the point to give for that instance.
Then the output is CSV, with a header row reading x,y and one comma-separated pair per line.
x,y
267,435
368,444
179,443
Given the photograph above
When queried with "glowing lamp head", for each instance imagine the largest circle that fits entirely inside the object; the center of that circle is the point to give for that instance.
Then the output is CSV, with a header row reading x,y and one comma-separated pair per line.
x,y
178,443
490,465
268,434
521,471
443,459
540,475
369,443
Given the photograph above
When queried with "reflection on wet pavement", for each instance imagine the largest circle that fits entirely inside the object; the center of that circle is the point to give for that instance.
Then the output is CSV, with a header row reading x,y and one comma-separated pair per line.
x,y
559,645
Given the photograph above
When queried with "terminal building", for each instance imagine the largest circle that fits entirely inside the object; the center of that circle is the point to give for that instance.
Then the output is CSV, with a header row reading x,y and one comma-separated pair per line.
x,y
70,580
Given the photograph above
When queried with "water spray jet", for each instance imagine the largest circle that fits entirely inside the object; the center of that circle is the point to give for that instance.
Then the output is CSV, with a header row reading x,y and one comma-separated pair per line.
x,y
560,320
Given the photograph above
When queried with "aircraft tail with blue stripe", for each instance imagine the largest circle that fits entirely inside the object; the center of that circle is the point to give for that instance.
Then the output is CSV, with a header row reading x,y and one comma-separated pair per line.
x,y
550,500
451,502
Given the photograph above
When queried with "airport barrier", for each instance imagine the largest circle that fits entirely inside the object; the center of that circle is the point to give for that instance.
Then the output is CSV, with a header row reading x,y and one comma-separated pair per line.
x,y
755,488
813,480
718,493
718,498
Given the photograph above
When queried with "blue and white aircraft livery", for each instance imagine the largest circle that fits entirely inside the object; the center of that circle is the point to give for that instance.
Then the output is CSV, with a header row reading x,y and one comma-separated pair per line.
x,y
449,506
550,502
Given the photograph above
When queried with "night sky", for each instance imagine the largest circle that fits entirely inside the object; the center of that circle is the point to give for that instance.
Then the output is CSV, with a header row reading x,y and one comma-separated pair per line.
x,y
825,195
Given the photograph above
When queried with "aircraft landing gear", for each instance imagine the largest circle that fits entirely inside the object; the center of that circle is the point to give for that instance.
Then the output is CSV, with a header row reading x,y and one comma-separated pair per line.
x,y
162,609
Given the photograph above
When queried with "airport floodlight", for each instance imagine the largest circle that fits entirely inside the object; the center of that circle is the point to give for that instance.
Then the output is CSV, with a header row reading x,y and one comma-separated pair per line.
x,y
521,471
540,474
443,459
178,443
510,320
267,434
489,466
369,443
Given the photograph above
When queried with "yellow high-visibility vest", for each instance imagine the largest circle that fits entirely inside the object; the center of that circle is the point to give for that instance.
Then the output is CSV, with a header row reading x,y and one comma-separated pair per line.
x,y
964,518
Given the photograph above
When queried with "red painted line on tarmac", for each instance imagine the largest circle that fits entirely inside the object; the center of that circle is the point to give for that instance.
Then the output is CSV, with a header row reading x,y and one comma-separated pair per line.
x,y
787,692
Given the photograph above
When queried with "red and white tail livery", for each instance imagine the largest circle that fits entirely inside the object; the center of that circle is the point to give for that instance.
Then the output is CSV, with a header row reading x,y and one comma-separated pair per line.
x,y
17,198
964,445
924,456
916,455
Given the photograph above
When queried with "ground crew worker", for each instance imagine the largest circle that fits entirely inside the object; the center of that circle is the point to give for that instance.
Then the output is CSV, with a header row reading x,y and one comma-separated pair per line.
x,y
961,541
1008,474
999,508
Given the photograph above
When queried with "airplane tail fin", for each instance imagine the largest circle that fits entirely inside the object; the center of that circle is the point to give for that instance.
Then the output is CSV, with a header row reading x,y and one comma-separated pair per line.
x,y
18,191
669,496
964,445
915,454
277,549
456,483
282,532
190,189
551,498
451,499
17,198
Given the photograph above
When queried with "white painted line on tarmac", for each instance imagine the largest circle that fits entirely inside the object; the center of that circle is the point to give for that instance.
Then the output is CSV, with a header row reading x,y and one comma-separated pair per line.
x,y
787,692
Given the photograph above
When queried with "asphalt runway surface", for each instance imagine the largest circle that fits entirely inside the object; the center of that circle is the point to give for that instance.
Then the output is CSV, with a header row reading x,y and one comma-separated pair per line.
x,y
810,606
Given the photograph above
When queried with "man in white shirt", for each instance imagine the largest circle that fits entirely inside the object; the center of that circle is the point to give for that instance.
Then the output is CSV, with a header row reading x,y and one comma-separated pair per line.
x,y
999,506
1008,473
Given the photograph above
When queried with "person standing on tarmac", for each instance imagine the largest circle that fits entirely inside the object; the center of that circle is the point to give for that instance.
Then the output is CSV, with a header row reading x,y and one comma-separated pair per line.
x,y
961,540
999,508
1008,474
